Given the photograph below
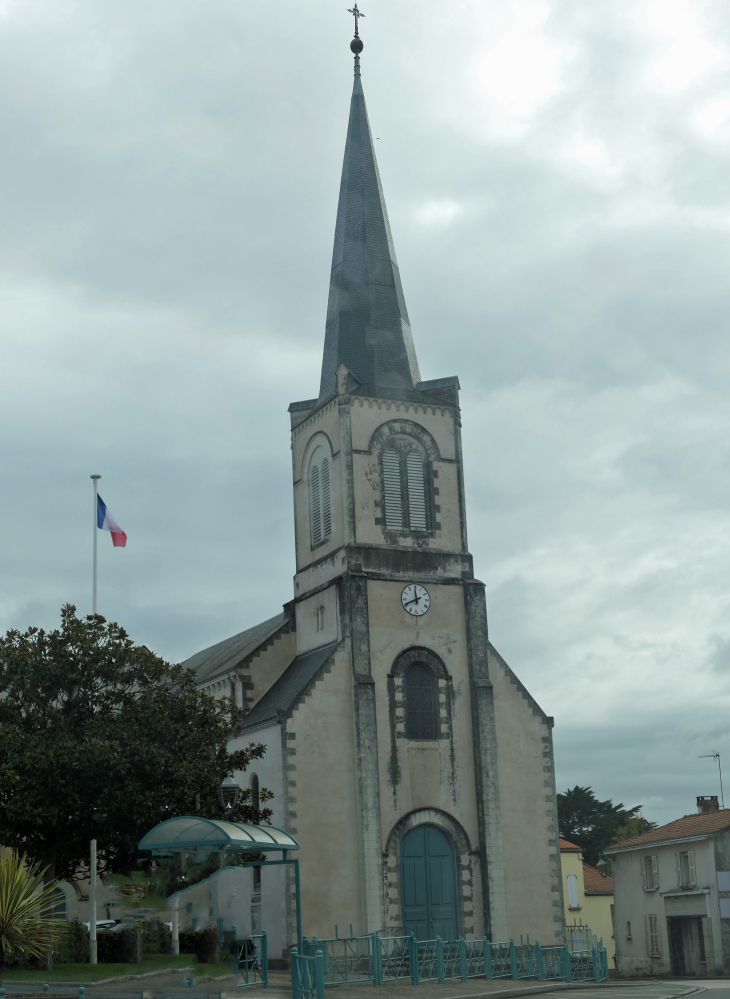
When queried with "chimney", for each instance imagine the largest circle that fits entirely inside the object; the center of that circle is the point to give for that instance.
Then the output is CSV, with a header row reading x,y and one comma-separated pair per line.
x,y
707,803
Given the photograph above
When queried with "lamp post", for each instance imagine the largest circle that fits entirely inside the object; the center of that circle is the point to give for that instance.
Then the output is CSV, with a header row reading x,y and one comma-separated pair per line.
x,y
229,794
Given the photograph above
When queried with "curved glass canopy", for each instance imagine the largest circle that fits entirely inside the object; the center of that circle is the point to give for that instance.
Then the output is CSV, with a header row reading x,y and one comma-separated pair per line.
x,y
190,833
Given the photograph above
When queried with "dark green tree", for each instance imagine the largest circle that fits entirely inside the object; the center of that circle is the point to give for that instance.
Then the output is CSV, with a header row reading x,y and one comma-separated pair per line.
x,y
595,825
102,739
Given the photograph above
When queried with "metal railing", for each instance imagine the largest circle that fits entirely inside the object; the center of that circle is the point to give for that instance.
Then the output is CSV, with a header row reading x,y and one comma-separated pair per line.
x,y
580,937
251,965
307,975
372,958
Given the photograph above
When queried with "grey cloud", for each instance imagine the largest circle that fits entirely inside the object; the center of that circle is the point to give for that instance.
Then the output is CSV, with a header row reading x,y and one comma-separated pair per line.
x,y
169,189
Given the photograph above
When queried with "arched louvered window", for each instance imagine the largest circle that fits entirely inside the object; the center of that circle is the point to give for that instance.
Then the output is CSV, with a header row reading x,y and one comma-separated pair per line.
x,y
320,497
404,488
421,692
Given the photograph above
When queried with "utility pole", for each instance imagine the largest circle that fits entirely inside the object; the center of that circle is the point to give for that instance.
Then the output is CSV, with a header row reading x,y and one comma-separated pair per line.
x,y
92,903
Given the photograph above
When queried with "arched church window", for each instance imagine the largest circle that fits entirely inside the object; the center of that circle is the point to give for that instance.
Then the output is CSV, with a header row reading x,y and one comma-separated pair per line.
x,y
404,488
320,499
421,703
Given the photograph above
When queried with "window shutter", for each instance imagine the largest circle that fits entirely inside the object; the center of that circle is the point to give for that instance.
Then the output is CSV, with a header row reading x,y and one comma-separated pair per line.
x,y
416,492
326,503
573,891
679,869
392,491
655,871
691,865
315,505
654,937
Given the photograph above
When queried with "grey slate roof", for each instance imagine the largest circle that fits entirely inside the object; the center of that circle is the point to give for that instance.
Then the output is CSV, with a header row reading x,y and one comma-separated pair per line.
x,y
283,692
367,328
226,655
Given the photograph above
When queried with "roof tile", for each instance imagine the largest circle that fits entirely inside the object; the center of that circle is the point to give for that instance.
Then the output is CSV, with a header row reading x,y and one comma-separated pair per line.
x,y
698,824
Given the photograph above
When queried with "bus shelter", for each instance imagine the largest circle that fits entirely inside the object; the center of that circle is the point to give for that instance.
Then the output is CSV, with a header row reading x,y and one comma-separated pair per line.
x,y
193,834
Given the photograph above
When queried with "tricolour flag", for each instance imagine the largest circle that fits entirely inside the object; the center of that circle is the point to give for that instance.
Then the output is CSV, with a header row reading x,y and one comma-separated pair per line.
x,y
105,522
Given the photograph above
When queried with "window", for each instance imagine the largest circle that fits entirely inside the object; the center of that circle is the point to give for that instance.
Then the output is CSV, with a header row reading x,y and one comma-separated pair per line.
x,y
404,488
628,930
319,619
421,703
59,904
686,875
573,891
320,500
255,797
654,937
650,873
257,880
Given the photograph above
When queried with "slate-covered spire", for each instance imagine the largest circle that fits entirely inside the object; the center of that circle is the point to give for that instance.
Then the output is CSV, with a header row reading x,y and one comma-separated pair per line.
x,y
367,321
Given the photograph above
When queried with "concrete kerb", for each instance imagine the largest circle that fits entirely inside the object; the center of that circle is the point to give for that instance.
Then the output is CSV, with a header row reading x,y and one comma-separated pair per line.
x,y
563,986
125,978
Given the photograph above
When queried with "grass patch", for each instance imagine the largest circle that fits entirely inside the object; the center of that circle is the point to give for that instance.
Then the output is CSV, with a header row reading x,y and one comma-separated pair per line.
x,y
97,972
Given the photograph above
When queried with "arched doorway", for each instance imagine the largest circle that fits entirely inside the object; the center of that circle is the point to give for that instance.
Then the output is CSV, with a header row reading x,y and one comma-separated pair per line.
x,y
428,884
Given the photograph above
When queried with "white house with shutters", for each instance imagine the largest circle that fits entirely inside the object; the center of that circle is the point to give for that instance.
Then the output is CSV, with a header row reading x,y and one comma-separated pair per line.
x,y
404,754
672,896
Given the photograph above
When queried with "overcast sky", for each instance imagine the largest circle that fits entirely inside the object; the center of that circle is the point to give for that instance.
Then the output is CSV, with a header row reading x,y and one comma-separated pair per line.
x,y
557,177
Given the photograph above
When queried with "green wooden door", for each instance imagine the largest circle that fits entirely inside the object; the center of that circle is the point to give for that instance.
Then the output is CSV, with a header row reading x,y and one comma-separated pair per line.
x,y
428,884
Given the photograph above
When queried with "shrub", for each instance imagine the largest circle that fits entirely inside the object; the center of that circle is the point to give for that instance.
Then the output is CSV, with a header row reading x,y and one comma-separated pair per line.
x,y
119,946
209,950
205,944
71,945
156,938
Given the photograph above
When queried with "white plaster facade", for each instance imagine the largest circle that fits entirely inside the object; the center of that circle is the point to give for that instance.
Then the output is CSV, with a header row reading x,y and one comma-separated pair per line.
x,y
672,899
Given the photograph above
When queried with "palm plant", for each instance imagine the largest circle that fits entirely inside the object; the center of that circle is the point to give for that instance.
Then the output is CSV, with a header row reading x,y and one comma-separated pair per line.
x,y
26,907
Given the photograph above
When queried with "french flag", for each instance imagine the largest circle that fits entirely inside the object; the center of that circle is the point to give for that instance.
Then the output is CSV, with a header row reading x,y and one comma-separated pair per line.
x,y
105,522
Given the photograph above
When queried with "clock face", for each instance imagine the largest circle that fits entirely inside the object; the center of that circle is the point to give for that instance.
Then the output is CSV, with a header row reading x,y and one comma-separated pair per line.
x,y
415,599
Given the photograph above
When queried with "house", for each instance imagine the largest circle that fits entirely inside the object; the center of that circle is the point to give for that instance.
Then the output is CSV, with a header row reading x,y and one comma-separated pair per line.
x,y
672,896
404,754
588,901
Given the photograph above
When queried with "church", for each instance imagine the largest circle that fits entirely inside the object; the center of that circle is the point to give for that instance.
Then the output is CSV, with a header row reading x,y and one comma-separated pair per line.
x,y
405,756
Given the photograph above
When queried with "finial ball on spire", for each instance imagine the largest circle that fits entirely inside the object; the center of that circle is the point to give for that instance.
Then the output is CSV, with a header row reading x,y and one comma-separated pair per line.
x,y
356,45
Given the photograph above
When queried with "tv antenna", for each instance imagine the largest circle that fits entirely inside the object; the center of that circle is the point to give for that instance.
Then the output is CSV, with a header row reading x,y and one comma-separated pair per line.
x,y
716,756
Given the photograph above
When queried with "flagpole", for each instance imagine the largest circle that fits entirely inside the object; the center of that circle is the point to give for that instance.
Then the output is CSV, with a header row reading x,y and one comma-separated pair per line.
x,y
96,507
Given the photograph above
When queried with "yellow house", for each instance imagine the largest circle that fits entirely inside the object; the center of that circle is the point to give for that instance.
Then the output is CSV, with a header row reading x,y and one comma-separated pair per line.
x,y
588,899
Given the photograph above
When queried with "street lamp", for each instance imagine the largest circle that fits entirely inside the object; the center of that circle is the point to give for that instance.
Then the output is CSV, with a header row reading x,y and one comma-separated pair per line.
x,y
229,794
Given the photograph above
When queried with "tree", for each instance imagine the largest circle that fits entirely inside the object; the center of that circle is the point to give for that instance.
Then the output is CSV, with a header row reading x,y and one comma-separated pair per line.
x,y
102,739
593,825
24,902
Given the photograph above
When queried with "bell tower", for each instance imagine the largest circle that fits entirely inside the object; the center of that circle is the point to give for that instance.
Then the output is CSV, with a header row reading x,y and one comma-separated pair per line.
x,y
384,576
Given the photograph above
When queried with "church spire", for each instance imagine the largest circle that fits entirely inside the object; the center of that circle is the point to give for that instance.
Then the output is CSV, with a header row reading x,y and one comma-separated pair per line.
x,y
367,321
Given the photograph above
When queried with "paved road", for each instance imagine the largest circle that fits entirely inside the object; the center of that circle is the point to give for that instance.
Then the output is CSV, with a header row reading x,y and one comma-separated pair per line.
x,y
173,987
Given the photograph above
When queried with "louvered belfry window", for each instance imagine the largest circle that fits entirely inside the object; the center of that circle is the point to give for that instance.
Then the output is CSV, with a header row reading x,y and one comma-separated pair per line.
x,y
404,489
320,500
421,703
416,492
392,493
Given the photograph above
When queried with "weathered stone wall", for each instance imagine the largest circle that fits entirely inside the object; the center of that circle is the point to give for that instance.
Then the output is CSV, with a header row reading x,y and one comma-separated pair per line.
x,y
528,809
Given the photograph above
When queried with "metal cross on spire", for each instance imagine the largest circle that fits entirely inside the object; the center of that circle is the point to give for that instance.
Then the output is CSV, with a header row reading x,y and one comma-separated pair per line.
x,y
356,14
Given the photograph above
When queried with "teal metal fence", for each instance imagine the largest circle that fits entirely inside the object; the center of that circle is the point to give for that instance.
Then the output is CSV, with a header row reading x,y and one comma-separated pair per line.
x,y
252,962
372,958
307,975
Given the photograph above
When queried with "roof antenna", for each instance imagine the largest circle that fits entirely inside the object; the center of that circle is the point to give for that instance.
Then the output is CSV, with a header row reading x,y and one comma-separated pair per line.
x,y
356,45
716,756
